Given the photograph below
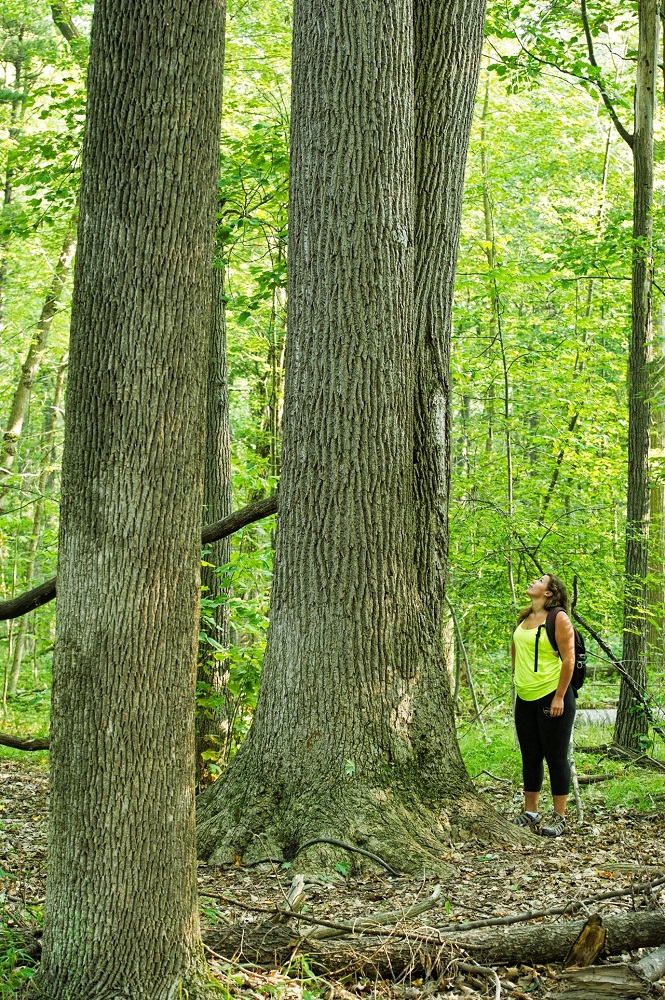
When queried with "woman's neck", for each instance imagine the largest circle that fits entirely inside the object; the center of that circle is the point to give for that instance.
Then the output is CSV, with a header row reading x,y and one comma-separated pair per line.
x,y
537,606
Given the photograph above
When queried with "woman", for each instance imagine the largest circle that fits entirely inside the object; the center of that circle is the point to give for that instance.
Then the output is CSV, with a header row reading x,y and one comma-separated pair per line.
x,y
545,704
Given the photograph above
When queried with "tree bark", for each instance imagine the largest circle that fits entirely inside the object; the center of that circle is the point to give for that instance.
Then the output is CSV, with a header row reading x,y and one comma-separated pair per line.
x,y
631,724
428,952
121,914
35,356
212,723
353,737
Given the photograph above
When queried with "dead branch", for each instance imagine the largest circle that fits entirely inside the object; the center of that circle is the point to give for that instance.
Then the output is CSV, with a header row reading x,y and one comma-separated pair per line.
x,y
555,911
485,971
382,919
357,926
633,757
32,743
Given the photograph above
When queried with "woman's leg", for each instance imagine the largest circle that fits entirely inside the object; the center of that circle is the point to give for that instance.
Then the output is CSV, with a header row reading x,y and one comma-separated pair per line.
x,y
555,739
526,725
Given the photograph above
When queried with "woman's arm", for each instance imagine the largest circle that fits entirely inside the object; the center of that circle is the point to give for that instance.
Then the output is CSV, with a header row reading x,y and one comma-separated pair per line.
x,y
565,640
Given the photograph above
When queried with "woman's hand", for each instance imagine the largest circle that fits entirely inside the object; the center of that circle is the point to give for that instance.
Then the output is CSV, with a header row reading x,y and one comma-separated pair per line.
x,y
556,706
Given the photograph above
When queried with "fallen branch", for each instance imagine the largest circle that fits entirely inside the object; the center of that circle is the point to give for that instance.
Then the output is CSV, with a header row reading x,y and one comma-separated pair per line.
x,y
45,592
485,971
633,757
556,911
382,919
357,926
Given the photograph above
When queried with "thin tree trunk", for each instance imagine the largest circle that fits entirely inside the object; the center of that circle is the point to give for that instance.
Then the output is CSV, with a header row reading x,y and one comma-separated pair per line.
x,y
121,910
212,722
35,356
631,724
354,731
16,114
48,437
496,333
579,364
656,584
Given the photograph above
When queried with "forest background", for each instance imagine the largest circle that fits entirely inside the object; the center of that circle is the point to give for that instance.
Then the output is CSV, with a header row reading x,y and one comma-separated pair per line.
x,y
540,337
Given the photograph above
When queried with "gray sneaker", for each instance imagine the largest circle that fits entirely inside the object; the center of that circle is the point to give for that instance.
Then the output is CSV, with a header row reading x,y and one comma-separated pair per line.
x,y
553,826
524,819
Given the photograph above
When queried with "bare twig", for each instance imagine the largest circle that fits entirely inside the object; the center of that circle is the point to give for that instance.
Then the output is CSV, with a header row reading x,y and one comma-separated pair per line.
x,y
485,971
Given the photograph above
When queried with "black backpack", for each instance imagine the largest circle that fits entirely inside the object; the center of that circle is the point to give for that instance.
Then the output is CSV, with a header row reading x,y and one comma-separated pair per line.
x,y
579,670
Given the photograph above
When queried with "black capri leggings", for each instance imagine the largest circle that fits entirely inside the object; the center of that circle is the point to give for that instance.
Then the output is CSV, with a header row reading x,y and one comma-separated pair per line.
x,y
542,738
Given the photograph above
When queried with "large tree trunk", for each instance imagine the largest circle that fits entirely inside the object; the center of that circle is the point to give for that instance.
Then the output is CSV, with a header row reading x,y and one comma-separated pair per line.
x,y
354,735
212,720
121,916
631,722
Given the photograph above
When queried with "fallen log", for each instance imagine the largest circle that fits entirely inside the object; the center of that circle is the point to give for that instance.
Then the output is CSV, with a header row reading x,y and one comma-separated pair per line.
x,y
609,982
427,950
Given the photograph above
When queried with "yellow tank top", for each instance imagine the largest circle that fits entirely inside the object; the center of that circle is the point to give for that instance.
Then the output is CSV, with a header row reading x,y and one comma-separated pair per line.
x,y
530,684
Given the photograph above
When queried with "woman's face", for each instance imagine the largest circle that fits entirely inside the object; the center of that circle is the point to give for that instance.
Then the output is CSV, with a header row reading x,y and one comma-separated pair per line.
x,y
540,587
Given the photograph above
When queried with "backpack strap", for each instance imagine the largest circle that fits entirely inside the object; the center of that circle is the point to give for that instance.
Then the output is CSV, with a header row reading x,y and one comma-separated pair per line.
x,y
550,626
535,657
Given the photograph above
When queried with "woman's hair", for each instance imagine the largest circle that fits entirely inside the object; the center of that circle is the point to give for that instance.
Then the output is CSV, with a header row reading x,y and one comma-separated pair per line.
x,y
557,599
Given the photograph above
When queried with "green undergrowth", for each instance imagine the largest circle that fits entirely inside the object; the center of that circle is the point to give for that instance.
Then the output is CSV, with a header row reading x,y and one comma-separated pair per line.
x,y
27,714
491,752
17,966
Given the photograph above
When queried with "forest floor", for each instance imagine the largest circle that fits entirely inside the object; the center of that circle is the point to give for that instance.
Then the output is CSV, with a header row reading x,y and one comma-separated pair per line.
x,y
612,850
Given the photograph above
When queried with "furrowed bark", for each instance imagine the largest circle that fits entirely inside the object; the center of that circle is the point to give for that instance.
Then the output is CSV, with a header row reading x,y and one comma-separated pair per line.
x,y
353,737
121,914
